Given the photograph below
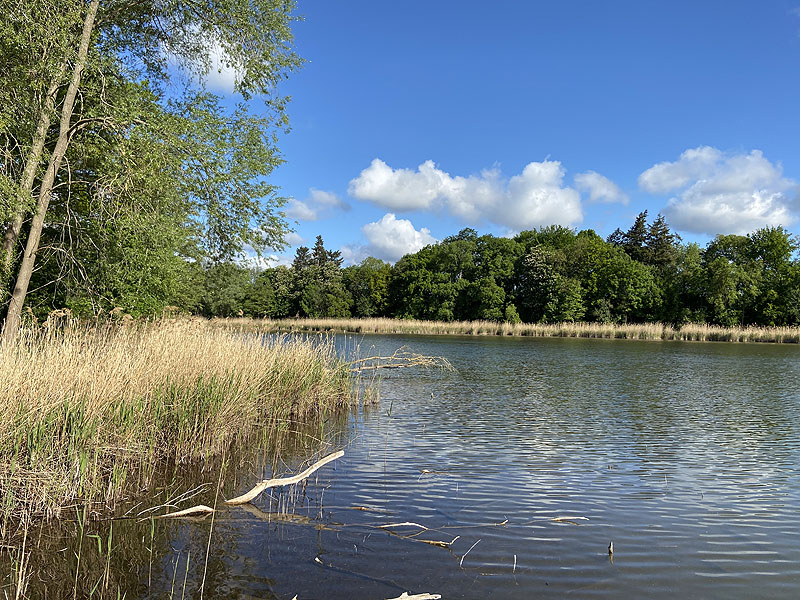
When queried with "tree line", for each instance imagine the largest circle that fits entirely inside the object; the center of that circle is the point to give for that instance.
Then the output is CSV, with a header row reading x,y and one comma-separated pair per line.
x,y
552,274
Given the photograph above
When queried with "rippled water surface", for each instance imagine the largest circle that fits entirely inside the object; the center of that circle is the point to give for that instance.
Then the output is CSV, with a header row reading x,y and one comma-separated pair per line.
x,y
684,455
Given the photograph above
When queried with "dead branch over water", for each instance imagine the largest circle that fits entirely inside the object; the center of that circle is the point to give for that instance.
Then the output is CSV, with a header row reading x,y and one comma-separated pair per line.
x,y
400,358
269,483
257,489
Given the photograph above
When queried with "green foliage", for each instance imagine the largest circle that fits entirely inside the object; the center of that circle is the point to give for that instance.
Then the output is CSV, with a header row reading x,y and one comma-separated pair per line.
x,y
154,183
561,276
368,285
510,315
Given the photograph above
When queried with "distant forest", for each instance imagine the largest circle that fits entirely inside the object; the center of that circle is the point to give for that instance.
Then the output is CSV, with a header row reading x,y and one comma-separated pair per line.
x,y
552,274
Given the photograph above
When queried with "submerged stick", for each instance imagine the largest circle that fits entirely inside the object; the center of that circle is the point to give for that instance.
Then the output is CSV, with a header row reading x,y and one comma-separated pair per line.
x,y
270,483
461,562
405,596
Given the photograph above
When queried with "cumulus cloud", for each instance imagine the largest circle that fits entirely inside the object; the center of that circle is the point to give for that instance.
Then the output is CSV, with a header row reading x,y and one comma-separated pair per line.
x,y
389,239
319,205
723,193
600,188
533,198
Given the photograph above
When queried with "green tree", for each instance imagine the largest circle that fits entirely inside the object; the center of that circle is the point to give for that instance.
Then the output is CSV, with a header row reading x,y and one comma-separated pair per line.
x,y
225,289
318,289
259,299
635,241
368,285
133,40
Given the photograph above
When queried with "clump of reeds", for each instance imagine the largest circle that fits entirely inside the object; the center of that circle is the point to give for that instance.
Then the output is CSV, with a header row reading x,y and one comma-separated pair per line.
x,y
88,413
629,331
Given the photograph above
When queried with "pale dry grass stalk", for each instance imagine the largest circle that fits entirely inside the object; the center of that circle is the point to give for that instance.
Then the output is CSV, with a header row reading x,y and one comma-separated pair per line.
x,y
629,331
83,409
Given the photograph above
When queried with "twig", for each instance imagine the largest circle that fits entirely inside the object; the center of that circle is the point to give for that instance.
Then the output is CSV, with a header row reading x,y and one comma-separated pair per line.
x,y
405,596
404,524
461,562
270,483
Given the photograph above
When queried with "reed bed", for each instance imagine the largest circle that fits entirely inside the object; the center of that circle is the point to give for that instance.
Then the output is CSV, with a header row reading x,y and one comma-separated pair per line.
x,y
630,331
89,414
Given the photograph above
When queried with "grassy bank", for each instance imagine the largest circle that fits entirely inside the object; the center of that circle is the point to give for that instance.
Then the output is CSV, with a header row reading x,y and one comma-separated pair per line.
x,y
88,415
646,331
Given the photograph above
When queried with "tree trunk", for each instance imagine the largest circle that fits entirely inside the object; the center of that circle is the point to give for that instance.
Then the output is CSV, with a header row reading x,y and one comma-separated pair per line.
x,y
14,314
29,173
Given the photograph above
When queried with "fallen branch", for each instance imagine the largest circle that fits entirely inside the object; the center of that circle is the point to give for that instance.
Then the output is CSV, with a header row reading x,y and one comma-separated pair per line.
x,y
270,483
401,358
405,596
200,509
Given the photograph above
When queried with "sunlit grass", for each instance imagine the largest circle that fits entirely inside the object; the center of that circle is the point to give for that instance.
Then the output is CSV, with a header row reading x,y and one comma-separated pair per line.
x,y
87,414
630,331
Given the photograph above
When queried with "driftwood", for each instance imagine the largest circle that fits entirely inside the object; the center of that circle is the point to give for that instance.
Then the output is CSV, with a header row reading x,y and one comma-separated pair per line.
x,y
202,509
270,483
405,596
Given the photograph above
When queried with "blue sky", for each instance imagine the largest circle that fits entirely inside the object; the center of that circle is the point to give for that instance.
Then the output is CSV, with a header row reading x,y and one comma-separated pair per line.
x,y
412,120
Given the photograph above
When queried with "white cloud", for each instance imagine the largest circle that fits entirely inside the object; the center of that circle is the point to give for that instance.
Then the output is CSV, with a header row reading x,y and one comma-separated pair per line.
x,y
323,198
723,193
353,254
220,76
533,198
318,205
391,238
600,188
293,238
300,211
400,189
693,164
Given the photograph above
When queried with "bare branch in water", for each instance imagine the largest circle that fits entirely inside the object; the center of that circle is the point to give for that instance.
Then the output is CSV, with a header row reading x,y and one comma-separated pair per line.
x,y
401,358
270,483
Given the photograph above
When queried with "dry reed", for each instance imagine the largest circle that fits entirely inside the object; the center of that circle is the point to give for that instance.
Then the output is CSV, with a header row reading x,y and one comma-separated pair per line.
x,y
87,414
628,331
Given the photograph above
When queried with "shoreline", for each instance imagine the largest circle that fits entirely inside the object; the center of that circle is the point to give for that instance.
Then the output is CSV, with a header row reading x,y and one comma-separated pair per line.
x,y
691,332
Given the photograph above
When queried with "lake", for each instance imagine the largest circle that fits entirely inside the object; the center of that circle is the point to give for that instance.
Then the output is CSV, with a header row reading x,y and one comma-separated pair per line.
x,y
525,462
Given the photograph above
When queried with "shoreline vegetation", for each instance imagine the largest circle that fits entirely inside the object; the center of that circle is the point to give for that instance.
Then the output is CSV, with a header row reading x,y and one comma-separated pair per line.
x,y
92,414
690,332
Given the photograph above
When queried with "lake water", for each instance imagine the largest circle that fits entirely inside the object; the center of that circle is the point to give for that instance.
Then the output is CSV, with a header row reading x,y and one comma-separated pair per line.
x,y
685,455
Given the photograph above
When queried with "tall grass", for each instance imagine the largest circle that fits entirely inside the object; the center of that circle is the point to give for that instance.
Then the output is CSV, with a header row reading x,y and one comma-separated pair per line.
x,y
88,414
638,331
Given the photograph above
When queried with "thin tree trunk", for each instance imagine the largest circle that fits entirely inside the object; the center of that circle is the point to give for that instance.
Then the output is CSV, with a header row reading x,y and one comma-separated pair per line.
x,y
14,314
29,173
